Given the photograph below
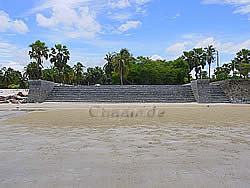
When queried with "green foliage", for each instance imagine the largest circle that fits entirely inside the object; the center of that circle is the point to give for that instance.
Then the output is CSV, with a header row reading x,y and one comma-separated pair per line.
x,y
122,62
59,56
199,61
196,60
210,57
79,73
12,79
109,66
123,68
33,71
222,73
95,76
51,74
149,72
204,75
244,69
242,62
38,53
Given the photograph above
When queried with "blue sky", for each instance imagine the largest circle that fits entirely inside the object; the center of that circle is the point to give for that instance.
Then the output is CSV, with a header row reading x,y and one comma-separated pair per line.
x,y
92,28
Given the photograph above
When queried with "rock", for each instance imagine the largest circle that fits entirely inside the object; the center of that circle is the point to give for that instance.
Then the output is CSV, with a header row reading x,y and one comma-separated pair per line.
x,y
21,94
2,98
14,101
3,102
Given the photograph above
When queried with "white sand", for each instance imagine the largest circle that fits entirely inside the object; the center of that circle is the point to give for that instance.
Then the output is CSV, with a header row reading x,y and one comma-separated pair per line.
x,y
64,146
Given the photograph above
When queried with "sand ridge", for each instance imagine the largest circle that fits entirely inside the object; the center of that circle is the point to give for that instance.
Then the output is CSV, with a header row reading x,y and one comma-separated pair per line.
x,y
129,114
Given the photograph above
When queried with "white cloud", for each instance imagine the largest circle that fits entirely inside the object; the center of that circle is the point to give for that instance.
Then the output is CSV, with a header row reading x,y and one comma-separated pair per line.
x,y
175,17
73,18
44,21
156,57
120,16
13,56
80,18
142,2
133,24
177,47
120,4
196,41
7,24
75,23
241,6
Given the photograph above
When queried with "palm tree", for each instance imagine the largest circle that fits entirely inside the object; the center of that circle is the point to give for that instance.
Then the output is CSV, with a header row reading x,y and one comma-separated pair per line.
x,y
78,70
223,73
59,57
39,52
189,58
95,76
68,75
1,78
51,74
121,62
11,78
108,67
210,57
33,71
199,61
7,78
242,62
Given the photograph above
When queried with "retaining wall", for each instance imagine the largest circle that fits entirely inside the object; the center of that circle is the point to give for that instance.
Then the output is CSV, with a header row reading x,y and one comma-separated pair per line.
x,y
39,90
238,91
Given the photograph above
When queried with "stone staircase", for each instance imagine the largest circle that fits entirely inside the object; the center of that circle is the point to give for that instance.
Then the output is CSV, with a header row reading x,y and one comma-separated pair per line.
x,y
123,94
216,94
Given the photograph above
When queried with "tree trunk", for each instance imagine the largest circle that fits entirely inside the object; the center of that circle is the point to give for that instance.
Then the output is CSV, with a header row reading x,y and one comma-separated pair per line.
x,y
209,71
196,74
121,74
189,78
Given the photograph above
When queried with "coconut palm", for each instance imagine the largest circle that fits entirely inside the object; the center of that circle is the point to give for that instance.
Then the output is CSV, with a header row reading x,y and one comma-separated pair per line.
x,y
7,78
199,61
11,78
78,70
189,58
33,71
210,57
121,63
51,74
108,67
95,76
68,75
242,62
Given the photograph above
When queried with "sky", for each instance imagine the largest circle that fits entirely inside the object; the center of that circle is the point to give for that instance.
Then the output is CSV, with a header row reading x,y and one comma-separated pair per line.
x,y
160,29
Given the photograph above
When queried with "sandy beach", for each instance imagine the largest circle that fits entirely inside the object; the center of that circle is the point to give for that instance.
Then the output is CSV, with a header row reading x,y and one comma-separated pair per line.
x,y
124,145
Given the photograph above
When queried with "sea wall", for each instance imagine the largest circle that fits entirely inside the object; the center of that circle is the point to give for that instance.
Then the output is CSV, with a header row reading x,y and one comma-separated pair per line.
x,y
238,91
39,90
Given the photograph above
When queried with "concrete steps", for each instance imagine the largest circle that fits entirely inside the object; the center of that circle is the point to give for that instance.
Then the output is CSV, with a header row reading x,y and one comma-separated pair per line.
x,y
216,94
135,94
122,94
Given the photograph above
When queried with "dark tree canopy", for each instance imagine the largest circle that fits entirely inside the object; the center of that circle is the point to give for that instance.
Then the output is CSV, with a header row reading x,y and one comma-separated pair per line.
x,y
123,68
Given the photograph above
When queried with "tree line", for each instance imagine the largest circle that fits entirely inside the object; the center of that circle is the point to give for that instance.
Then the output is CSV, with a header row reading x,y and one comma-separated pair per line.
x,y
123,68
